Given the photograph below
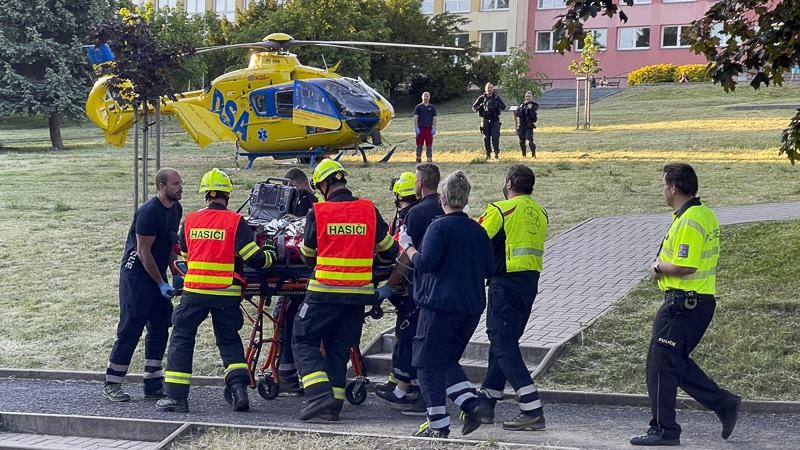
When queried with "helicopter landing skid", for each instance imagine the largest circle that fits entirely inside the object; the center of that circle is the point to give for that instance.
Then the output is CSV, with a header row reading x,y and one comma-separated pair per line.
x,y
310,155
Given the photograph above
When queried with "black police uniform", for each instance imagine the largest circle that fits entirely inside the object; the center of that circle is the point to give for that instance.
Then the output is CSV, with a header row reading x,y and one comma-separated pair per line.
x,y
489,108
140,301
527,115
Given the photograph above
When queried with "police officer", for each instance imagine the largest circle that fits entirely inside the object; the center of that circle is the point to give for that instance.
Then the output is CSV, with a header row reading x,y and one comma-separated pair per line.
x,y
517,227
685,269
489,106
402,388
526,116
451,268
341,236
144,295
216,243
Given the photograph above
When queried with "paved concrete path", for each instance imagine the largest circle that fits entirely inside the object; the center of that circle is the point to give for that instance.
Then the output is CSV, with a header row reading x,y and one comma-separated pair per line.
x,y
575,426
590,267
48,441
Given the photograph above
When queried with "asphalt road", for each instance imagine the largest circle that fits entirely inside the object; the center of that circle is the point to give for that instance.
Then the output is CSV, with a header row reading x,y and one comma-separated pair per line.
x,y
580,426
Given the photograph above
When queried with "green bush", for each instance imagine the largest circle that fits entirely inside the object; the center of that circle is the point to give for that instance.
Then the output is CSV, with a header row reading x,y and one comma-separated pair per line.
x,y
658,73
694,72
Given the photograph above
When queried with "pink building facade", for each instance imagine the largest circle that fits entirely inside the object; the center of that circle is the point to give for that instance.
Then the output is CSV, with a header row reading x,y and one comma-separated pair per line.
x,y
652,35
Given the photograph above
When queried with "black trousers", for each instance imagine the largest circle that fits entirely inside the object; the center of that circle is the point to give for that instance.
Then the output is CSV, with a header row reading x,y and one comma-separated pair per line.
x,y
526,135
438,346
404,330
491,137
287,370
141,306
669,366
227,321
338,327
506,318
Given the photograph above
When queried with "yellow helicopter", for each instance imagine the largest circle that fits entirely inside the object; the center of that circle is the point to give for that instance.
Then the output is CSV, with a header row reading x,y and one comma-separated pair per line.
x,y
275,107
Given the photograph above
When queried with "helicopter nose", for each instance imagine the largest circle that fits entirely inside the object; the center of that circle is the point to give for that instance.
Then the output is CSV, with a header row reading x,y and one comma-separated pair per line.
x,y
363,125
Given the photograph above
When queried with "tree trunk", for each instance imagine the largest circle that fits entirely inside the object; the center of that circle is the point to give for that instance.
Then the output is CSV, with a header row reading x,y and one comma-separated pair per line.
x,y
54,122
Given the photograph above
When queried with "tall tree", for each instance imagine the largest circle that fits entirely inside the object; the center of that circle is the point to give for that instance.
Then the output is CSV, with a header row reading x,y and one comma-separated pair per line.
x,y
43,67
513,78
735,36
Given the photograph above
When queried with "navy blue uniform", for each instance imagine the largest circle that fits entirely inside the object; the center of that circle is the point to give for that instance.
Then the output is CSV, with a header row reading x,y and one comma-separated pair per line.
x,y
451,268
140,301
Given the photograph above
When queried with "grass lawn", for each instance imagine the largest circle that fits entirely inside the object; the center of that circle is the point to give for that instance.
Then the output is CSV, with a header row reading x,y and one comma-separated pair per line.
x,y
64,215
751,348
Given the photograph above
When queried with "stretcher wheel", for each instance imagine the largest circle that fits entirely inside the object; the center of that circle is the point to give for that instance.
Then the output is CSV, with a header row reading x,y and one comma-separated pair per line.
x,y
356,392
267,388
228,396
376,312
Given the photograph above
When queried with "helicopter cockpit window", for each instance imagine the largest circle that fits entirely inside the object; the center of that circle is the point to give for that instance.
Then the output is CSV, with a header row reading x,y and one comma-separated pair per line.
x,y
311,98
283,103
352,100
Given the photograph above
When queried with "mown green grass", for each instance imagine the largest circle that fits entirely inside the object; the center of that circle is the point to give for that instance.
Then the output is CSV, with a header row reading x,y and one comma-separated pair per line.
x,y
752,347
64,215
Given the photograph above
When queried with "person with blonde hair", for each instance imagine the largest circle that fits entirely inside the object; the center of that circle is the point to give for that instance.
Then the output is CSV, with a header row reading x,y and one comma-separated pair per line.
x,y
453,263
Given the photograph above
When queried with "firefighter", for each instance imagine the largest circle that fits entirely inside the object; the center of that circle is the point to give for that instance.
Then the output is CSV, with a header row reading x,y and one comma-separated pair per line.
x,y
517,227
341,235
398,289
216,242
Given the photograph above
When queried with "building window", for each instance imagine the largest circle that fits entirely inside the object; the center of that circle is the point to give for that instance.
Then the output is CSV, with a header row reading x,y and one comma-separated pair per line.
x,y
195,7
226,8
675,36
544,41
457,6
166,4
678,1
491,5
552,4
427,7
642,2
600,36
494,43
462,39
633,38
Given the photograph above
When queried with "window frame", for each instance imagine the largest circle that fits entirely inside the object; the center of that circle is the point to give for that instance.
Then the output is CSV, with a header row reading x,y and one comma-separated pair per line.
x,y
494,51
507,7
551,46
642,2
461,11
602,47
200,4
681,29
422,7
229,14
539,4
619,40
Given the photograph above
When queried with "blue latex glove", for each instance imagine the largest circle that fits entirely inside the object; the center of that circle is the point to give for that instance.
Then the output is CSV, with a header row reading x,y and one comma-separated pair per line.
x,y
177,282
384,292
416,131
167,291
433,131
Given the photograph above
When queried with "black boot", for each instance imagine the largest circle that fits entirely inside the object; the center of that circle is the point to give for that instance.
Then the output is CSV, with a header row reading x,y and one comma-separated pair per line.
x,y
172,404
240,400
318,407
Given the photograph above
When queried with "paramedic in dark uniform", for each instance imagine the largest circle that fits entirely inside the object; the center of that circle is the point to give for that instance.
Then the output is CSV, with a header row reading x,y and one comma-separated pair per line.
x,y
144,295
685,269
517,227
526,116
216,242
341,236
398,290
287,370
449,285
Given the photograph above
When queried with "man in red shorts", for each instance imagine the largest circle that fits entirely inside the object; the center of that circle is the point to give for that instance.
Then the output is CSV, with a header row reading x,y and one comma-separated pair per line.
x,y
425,126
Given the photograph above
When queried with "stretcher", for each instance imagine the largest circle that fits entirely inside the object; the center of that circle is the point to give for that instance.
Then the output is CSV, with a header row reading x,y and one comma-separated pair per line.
x,y
271,220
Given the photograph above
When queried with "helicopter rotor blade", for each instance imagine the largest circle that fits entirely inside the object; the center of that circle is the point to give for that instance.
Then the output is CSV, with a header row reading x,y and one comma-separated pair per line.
x,y
375,44
346,47
252,45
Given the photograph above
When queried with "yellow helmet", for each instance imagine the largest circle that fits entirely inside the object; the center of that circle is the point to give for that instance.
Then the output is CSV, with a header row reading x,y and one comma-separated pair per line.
x,y
403,186
216,180
325,169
